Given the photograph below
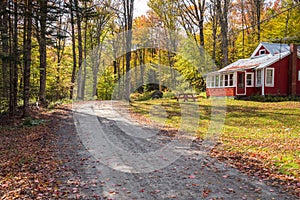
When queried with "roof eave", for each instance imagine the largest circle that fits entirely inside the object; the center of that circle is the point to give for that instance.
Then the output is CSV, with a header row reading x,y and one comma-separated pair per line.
x,y
256,50
267,64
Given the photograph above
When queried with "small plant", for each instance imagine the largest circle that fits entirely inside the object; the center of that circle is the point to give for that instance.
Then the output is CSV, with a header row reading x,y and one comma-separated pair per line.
x,y
141,97
270,98
169,95
32,122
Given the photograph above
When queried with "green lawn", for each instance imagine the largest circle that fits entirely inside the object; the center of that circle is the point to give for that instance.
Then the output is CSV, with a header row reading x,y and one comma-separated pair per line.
x,y
267,132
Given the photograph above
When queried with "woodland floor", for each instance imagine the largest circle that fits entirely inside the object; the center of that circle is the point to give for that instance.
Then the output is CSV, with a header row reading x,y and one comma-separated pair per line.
x,y
45,158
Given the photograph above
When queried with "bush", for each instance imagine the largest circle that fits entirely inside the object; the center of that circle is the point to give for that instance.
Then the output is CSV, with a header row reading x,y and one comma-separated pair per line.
x,y
169,95
270,98
141,97
32,122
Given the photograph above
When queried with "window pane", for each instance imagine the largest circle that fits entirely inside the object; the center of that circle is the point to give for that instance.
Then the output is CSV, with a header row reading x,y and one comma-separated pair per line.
x,y
226,80
230,79
241,79
249,80
217,81
269,76
221,81
258,77
208,81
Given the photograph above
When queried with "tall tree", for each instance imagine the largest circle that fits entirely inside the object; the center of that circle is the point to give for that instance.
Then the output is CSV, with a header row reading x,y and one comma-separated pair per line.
x,y
167,12
214,26
42,19
27,55
103,20
80,51
73,77
258,5
192,18
14,67
223,8
128,6
4,20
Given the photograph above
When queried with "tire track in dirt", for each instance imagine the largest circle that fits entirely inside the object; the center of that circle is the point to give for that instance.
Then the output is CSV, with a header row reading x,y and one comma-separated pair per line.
x,y
194,175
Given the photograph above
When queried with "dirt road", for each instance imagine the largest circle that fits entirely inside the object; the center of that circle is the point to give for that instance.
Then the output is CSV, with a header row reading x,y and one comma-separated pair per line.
x,y
108,156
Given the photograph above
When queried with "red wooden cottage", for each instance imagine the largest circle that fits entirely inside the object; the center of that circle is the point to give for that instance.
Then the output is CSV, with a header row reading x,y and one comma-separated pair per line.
x,y
272,69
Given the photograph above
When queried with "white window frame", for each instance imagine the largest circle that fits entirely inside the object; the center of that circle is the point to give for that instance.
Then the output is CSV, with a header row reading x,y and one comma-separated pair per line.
x,y
262,50
222,80
299,75
208,81
217,81
231,85
256,77
273,76
252,79
226,80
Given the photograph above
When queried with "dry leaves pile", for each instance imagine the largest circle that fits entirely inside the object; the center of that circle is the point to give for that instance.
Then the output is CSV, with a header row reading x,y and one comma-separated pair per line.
x,y
254,165
28,167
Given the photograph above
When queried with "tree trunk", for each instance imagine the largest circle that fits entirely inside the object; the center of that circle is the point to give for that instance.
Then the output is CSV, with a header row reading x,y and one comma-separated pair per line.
x,y
222,7
201,20
85,56
288,15
73,51
142,64
14,68
5,48
43,50
80,54
214,29
27,55
243,24
128,7
258,13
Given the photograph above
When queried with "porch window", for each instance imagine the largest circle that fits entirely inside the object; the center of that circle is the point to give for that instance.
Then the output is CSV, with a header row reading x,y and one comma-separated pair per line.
x,y
249,79
258,77
208,81
217,81
226,80
270,77
230,80
222,80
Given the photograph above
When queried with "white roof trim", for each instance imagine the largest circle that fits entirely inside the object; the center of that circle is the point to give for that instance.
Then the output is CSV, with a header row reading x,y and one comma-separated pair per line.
x,y
279,56
256,50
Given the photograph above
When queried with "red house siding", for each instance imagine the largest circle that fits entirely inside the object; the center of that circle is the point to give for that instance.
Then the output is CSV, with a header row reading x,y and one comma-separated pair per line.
x,y
218,92
298,82
281,78
251,91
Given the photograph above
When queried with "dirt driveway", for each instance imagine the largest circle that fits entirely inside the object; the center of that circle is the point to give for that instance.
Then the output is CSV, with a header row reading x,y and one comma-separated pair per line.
x,y
107,156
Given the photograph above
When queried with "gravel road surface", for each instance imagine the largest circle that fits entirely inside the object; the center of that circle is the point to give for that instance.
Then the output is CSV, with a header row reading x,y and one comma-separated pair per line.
x,y
109,156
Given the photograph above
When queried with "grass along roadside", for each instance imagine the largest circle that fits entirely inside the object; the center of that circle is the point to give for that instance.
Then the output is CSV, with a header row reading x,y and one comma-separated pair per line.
x,y
256,136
